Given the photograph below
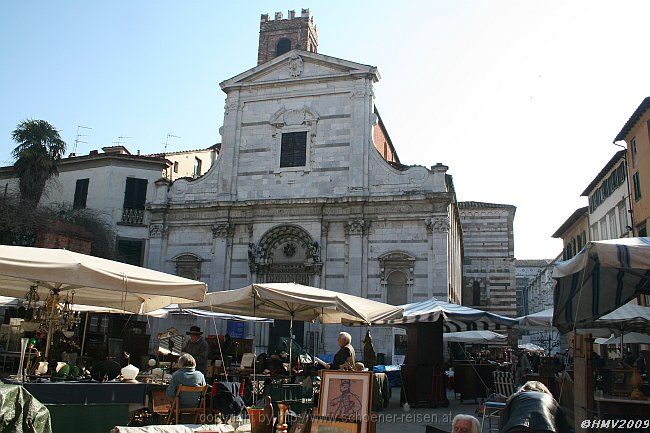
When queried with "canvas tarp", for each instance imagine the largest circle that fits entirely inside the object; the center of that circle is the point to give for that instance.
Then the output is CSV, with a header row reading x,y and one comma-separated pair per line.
x,y
479,337
297,302
176,310
456,317
540,321
95,281
629,338
20,412
602,277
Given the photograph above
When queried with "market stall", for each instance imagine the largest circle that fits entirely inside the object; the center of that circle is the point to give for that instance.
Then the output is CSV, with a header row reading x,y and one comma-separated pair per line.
x,y
595,291
297,302
51,284
423,373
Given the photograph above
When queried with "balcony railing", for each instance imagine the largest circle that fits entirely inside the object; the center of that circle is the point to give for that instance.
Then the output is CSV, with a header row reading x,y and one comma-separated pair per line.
x,y
132,216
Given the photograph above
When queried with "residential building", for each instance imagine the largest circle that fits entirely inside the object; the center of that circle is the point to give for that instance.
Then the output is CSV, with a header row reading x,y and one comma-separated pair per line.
x,y
114,183
189,163
526,272
308,188
489,274
609,205
636,134
574,232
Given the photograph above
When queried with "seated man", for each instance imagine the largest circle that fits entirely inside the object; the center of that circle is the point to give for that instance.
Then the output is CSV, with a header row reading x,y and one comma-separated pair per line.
x,y
533,409
187,375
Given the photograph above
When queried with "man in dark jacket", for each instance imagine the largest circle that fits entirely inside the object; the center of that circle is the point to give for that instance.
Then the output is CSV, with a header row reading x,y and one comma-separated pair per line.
x,y
198,348
533,409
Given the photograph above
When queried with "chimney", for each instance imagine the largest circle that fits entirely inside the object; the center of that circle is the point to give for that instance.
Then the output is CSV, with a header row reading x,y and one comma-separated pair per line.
x,y
278,16
264,18
304,13
291,15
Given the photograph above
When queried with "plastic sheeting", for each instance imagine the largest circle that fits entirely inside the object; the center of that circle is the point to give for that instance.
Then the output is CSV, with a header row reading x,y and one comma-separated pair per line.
x,y
20,412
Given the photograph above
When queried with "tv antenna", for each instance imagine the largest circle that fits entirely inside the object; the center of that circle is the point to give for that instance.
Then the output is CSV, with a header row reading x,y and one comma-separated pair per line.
x,y
120,140
77,139
169,135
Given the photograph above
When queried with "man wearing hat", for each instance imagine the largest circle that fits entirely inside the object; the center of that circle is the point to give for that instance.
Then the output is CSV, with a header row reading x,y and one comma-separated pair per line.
x,y
198,348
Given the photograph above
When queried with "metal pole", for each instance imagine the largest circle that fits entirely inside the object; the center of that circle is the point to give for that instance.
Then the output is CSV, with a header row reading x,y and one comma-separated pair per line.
x,y
290,346
50,330
83,338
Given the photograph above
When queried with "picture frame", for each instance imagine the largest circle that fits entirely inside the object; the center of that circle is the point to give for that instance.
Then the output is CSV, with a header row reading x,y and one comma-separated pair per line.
x,y
346,396
331,425
301,425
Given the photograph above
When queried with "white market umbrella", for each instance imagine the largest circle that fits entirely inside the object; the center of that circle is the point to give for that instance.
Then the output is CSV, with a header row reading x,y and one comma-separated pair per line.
x,y
176,310
531,347
479,337
540,321
292,301
602,277
629,338
95,281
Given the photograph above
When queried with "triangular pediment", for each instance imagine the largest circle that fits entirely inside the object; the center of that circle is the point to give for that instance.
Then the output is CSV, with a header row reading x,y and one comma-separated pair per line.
x,y
299,65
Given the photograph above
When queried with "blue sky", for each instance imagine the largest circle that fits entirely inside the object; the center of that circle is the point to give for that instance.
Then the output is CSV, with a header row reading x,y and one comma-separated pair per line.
x,y
520,99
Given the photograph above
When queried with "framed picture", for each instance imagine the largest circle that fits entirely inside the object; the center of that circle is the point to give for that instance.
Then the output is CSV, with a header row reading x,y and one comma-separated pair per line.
x,y
301,424
346,395
329,425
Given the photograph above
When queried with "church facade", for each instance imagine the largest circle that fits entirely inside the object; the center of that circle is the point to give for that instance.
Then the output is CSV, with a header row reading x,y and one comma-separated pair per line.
x,y
308,188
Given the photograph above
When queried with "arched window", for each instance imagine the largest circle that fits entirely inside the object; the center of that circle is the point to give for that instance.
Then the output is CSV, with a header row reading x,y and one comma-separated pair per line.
x,y
283,46
188,266
397,289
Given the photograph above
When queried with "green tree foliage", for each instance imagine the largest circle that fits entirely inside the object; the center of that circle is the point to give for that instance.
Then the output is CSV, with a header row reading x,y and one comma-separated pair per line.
x,y
39,150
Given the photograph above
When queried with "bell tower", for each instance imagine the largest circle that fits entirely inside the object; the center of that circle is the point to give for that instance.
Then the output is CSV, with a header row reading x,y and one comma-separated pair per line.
x,y
280,35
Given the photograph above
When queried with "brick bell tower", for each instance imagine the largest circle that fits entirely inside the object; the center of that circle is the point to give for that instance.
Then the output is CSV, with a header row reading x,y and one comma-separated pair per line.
x,y
279,36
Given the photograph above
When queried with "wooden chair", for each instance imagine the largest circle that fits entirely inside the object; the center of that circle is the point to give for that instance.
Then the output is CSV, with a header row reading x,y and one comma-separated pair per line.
x,y
504,383
504,387
199,412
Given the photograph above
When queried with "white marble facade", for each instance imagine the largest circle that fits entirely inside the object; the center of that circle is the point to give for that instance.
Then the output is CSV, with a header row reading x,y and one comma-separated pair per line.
x,y
347,220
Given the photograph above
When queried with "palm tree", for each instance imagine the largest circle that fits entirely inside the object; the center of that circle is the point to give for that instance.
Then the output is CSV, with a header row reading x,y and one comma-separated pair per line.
x,y
39,150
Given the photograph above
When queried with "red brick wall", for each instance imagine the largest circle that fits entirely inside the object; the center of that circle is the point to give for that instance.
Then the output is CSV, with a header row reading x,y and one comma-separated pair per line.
x,y
381,143
300,31
63,234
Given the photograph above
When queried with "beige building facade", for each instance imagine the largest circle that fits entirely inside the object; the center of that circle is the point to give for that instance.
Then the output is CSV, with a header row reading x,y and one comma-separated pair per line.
x,y
302,192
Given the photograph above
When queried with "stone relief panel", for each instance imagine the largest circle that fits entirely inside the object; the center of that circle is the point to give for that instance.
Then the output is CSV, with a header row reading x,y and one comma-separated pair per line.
x,y
287,250
437,224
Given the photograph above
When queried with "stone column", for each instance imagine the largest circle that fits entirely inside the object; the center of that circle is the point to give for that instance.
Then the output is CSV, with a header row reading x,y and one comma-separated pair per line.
x,y
221,232
324,230
438,260
229,148
360,135
355,230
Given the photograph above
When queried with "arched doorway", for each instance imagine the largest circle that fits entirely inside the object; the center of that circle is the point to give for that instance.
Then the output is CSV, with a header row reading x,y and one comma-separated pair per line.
x,y
285,254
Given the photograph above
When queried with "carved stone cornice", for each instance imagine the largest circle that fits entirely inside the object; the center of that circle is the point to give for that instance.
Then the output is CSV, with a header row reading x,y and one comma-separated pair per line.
x,y
357,227
222,230
437,224
156,230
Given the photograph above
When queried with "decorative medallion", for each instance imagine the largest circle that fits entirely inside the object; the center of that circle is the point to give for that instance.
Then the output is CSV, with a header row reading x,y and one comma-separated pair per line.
x,y
295,65
294,117
289,250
